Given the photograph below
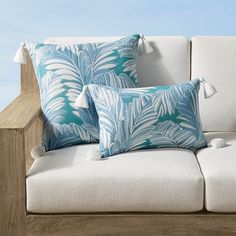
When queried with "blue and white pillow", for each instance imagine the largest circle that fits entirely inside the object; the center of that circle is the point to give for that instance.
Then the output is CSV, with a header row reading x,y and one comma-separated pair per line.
x,y
154,117
63,70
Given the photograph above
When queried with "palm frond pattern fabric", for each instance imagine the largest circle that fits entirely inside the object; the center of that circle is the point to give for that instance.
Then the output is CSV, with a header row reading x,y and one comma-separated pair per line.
x,y
63,70
153,117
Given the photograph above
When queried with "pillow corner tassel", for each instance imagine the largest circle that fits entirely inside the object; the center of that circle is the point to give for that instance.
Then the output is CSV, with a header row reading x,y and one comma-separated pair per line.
x,y
209,89
145,47
81,100
38,151
20,56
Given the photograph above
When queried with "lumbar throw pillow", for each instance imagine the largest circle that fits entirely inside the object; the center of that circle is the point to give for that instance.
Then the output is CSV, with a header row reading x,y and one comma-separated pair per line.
x,y
153,117
63,70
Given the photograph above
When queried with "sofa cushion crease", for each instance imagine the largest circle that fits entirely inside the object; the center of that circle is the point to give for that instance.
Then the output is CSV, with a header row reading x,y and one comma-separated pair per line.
x,y
219,170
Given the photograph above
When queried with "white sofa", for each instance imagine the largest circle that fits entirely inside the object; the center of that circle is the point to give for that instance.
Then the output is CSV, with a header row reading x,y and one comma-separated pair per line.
x,y
157,180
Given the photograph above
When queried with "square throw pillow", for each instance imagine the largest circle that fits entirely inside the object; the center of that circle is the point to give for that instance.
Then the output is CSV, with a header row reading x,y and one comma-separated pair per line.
x,y
154,117
63,70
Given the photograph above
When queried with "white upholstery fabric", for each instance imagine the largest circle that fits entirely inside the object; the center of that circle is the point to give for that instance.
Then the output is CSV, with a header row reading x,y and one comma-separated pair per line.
x,y
168,64
214,58
148,180
219,170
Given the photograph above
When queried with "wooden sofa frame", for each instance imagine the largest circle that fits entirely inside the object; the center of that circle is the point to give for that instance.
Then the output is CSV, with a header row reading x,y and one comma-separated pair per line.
x,y
20,130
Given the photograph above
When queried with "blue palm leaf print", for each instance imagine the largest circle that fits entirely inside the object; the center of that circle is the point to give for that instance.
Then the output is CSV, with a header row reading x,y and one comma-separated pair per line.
x,y
63,70
111,79
155,117
168,134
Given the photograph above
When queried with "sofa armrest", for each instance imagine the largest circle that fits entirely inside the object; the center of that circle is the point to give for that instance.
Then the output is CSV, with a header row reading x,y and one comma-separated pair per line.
x,y
20,130
21,112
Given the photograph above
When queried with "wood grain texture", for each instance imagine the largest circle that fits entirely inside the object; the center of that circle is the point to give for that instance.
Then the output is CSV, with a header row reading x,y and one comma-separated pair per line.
x,y
141,224
28,79
12,187
32,137
20,127
21,112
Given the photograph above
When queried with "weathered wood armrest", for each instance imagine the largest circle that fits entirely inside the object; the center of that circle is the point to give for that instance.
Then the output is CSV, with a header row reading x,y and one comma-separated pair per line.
x,y
20,130
22,120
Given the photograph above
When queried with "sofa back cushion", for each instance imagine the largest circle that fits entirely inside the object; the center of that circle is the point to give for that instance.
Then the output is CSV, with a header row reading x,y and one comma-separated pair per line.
x,y
168,64
214,58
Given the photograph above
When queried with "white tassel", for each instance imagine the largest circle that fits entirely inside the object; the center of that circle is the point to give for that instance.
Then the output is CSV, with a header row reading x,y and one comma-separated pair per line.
x,y
209,89
93,155
20,56
37,152
217,143
82,100
145,47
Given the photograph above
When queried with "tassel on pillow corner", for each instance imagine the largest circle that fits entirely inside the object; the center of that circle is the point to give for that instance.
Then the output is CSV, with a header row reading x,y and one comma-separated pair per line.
x,y
209,89
146,47
20,56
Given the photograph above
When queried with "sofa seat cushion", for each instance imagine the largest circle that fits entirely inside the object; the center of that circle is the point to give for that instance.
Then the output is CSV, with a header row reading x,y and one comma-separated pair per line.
x,y
219,170
166,180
